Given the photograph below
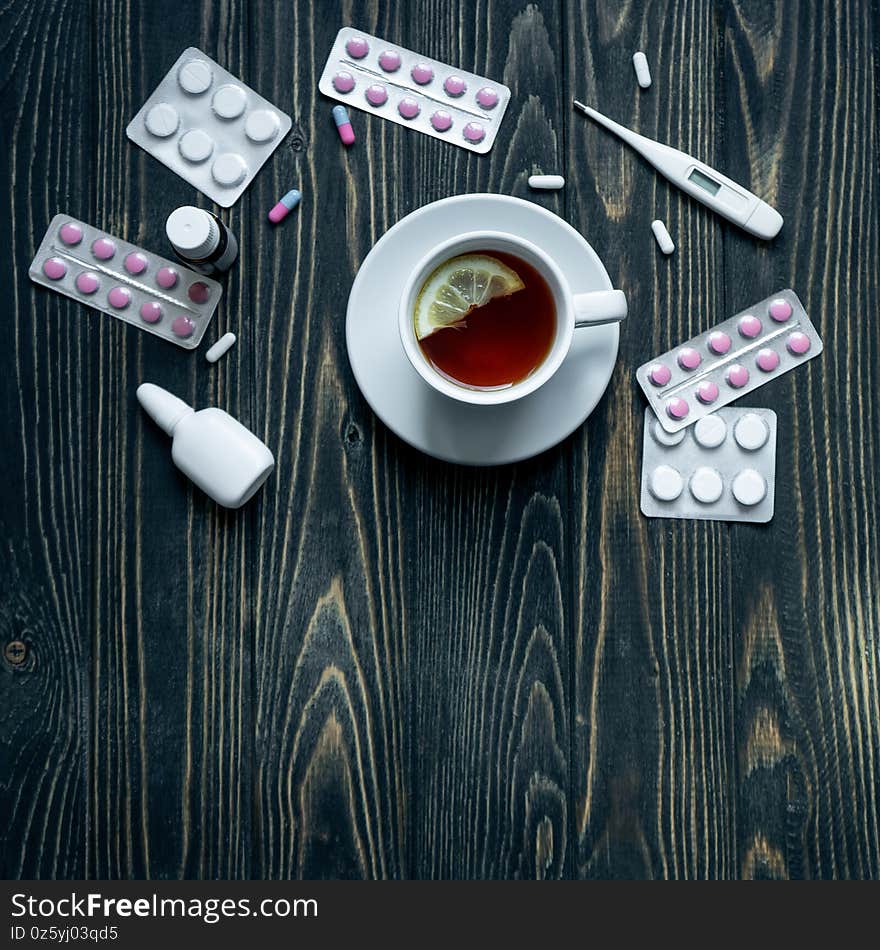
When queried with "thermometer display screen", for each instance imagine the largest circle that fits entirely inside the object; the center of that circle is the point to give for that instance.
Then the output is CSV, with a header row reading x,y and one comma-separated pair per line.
x,y
704,181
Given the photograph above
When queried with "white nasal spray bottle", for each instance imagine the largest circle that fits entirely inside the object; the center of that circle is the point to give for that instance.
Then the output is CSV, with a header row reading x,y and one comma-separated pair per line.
x,y
226,460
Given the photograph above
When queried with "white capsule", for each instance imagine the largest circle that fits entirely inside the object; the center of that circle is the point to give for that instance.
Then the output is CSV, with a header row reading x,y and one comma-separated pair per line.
x,y
643,71
547,182
662,235
222,346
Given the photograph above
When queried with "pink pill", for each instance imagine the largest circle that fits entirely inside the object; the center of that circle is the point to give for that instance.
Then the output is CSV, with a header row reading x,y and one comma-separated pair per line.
x,y
677,408
767,360
707,393
749,326
119,297
441,120
737,376
357,47
719,342
71,233
474,132
659,374
390,61
103,249
376,94
151,312
135,263
689,358
780,310
454,86
199,292
87,282
408,108
422,74
183,327
343,81
798,343
487,98
54,268
166,277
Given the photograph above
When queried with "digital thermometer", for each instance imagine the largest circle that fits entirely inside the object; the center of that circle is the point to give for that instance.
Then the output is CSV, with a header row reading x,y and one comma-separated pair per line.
x,y
713,189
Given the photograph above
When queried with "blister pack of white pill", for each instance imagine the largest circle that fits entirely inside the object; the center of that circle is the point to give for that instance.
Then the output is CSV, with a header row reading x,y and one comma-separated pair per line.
x,y
395,83
209,127
733,358
723,468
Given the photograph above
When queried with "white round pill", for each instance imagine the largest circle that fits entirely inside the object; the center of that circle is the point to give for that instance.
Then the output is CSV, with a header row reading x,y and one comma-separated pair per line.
x,y
229,169
195,76
706,485
195,145
665,483
710,431
229,101
262,125
162,120
749,488
666,438
751,432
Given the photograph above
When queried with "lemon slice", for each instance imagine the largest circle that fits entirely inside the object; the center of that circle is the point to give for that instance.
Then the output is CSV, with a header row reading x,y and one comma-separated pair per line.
x,y
459,286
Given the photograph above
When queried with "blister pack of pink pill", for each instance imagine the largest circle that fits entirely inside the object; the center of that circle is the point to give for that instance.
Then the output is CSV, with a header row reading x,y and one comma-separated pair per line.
x,y
723,468
371,74
730,360
125,281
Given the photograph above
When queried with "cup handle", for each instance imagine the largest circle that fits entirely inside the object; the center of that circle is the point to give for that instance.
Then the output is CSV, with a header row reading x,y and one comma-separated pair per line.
x,y
599,307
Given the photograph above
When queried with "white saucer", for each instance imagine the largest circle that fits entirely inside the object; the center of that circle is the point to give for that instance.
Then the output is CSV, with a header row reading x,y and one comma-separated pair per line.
x,y
431,422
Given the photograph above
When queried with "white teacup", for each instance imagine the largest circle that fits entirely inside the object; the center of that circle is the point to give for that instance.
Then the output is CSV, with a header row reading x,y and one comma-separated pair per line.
x,y
572,311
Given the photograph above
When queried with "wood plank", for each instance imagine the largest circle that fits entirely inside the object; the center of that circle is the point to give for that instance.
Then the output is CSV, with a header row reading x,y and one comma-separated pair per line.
x,y
170,794
49,384
807,725
653,756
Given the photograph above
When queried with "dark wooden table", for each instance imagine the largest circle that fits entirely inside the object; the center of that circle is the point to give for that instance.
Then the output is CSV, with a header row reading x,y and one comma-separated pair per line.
x,y
386,666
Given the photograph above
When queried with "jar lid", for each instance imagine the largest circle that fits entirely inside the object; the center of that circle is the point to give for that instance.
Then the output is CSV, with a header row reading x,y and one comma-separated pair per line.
x,y
193,232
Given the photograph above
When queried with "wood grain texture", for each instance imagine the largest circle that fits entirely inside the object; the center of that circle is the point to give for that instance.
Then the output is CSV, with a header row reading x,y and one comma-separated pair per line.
x,y
386,666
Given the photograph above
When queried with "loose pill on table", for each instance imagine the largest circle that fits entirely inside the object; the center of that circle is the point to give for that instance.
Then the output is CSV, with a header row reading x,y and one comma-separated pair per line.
x,y
643,71
662,236
343,125
287,203
222,346
549,182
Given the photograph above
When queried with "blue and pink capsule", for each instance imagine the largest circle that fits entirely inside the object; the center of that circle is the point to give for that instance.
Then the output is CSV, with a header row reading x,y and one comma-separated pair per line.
x,y
285,206
343,125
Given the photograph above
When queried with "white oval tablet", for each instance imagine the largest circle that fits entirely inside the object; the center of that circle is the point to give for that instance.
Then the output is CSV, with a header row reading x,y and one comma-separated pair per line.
x,y
229,169
222,346
706,485
669,439
195,76
195,145
710,431
751,432
665,483
262,125
749,488
546,182
162,120
229,101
